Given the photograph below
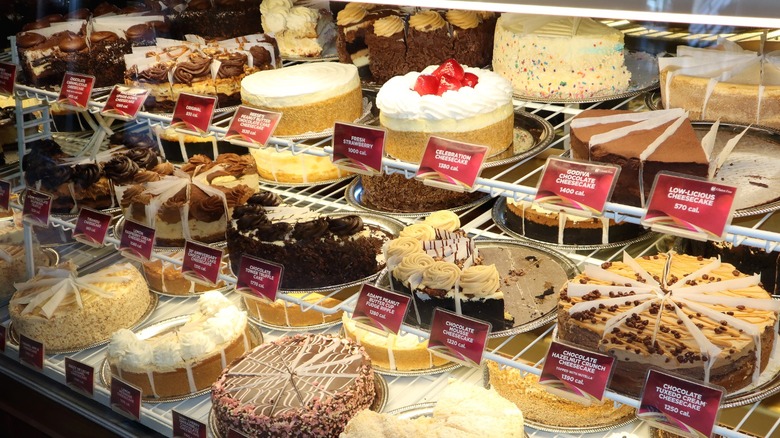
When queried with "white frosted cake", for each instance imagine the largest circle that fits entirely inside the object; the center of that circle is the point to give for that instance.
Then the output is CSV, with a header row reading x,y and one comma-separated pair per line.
x,y
559,57
479,114
724,82
310,96
300,31
184,359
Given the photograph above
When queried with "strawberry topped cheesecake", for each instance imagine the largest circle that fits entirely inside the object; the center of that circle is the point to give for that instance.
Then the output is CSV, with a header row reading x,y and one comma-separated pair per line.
x,y
451,101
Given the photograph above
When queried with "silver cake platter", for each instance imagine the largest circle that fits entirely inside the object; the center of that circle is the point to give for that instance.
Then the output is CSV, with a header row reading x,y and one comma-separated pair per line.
x,y
594,428
160,327
644,77
50,258
500,219
380,401
533,316
14,335
421,410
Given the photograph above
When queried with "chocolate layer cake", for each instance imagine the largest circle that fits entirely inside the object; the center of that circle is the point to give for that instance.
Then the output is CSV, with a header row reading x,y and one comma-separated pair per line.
x,y
316,251
107,52
396,193
428,40
299,386
537,223
697,317
220,20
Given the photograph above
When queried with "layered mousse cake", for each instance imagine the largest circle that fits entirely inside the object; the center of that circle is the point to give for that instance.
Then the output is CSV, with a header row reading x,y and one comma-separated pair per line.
x,y
391,352
642,144
302,29
697,317
464,104
310,96
185,359
543,407
299,386
398,194
64,310
535,222
316,250
560,57
45,54
462,410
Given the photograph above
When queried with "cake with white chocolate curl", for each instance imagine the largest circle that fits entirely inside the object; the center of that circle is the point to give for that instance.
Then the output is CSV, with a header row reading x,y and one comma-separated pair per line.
x,y
698,317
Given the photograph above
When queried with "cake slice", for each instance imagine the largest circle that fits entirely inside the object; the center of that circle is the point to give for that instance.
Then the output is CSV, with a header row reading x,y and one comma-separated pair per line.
x,y
428,41
300,31
642,144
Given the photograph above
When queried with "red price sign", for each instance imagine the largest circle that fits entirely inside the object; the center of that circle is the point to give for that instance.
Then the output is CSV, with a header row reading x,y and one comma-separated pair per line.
x,y
380,310
37,208
137,241
458,338
31,352
576,374
358,148
679,406
259,278
124,102
5,195
186,427
80,376
192,113
252,127
201,263
125,398
92,227
451,164
7,78
75,91
576,187
690,207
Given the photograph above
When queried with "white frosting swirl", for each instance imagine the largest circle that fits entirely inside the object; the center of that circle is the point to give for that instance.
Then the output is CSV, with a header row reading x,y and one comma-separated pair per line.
x,y
274,14
223,327
419,231
122,342
402,247
212,302
195,344
397,98
300,17
441,275
412,264
479,280
443,220
167,354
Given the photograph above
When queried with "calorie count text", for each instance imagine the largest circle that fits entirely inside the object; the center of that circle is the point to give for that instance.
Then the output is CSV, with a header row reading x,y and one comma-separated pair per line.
x,y
192,111
92,225
456,332
357,145
381,306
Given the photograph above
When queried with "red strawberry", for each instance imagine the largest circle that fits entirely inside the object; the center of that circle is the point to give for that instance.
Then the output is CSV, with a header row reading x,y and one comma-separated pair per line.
x,y
449,67
470,80
426,84
447,82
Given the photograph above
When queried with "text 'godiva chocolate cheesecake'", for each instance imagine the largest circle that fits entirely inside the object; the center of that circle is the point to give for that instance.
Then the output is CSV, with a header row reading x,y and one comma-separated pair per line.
x,y
298,386
697,317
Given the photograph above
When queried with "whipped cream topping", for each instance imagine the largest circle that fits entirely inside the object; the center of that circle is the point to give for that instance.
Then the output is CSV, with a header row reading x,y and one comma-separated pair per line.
x,y
397,98
299,84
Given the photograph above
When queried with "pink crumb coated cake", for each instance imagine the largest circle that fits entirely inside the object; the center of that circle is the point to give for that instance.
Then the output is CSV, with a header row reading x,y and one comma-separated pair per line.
x,y
307,385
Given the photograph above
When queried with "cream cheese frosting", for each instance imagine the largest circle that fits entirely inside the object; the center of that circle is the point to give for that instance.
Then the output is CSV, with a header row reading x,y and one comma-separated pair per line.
x,y
461,110
298,85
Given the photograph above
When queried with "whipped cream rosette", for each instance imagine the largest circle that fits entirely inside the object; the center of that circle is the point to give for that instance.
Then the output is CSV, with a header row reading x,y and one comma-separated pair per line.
x,y
64,310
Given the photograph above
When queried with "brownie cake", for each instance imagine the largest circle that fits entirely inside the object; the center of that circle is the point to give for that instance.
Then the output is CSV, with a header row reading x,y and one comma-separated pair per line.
x,y
299,386
316,251
698,317
396,193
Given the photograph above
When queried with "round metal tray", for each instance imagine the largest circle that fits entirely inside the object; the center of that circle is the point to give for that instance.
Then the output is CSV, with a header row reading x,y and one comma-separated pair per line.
x,y
14,335
568,270
380,401
255,339
644,77
499,217
420,410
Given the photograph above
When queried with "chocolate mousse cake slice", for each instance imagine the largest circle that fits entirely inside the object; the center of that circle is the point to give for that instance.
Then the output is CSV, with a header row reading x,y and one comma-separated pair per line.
x,y
428,41
193,74
387,48
107,62
467,37
642,144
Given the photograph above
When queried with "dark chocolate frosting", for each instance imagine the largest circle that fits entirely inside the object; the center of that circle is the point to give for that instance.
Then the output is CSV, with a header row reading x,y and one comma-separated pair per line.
x,y
266,199
105,8
260,56
232,66
195,69
84,175
155,74
40,24
313,229
102,35
120,168
226,3
140,32
198,5
72,43
270,232
29,39
208,209
145,158
238,195
346,225
250,221
55,176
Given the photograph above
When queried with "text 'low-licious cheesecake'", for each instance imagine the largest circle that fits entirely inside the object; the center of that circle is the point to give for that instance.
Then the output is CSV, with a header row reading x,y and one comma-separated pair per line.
x,y
697,317
466,104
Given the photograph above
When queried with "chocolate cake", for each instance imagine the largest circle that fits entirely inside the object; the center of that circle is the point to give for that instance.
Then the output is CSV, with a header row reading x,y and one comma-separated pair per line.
x,y
697,317
220,20
316,251
398,194
298,386
387,41
428,40
107,52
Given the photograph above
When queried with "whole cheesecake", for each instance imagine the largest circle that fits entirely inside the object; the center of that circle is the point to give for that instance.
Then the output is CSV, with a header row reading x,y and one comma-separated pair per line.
x,y
298,386
84,310
481,113
310,96
697,317
186,359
